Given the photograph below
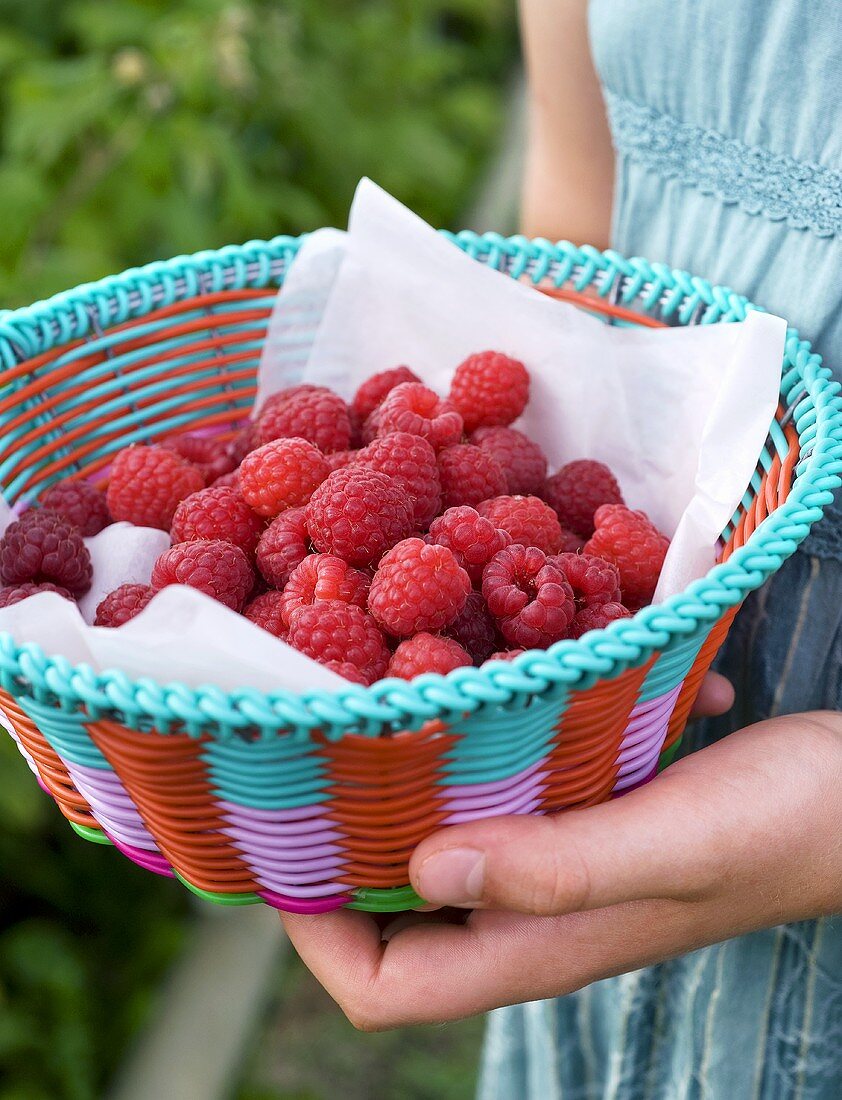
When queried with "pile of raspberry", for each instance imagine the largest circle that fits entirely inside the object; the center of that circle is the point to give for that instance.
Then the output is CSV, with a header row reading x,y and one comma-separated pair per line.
x,y
400,534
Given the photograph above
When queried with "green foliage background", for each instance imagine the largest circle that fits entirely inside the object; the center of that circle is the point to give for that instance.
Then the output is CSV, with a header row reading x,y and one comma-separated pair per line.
x,y
133,130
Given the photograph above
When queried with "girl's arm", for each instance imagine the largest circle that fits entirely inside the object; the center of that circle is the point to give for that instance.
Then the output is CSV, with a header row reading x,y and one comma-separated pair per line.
x,y
569,161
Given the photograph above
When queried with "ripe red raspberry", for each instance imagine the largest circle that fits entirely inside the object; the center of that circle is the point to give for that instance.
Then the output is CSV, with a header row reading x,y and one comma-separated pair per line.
x,y
227,481
43,547
357,514
275,400
577,490
281,474
219,569
265,611
427,653
123,604
474,628
469,475
523,462
349,672
321,577
282,546
16,592
594,580
413,408
317,415
372,392
243,441
636,547
411,463
217,513
369,428
337,460
473,539
337,631
489,388
595,618
210,454
529,596
528,520
570,543
81,504
148,483
506,654
417,586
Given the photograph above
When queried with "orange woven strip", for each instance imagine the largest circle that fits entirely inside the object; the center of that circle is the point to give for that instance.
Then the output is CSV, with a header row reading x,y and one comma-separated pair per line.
x,y
599,305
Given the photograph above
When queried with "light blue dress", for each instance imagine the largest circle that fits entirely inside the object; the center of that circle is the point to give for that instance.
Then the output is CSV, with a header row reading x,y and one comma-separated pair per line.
x,y
727,123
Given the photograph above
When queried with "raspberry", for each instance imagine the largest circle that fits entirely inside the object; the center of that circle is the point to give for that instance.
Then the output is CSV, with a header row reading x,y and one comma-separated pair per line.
x,y
219,569
594,581
148,483
417,586
570,543
473,539
372,392
336,631
217,513
528,520
529,596
337,460
242,443
474,628
427,653
282,546
43,547
635,545
207,453
275,400
469,475
411,407
317,415
489,388
231,480
123,604
369,428
282,474
17,592
577,490
265,611
523,462
506,654
357,514
595,618
349,672
411,462
321,577
81,504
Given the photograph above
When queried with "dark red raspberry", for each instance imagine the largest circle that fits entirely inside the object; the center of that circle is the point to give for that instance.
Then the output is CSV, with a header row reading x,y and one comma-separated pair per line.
x,y
349,672
275,400
417,586
43,547
231,480
473,539
413,408
81,504
370,427
357,514
522,461
242,442
337,460
529,597
148,483
123,604
282,474
282,546
577,490
474,628
217,513
636,547
506,654
15,593
427,653
317,415
570,543
372,392
210,454
265,611
530,521
337,631
411,462
595,618
219,569
469,475
489,388
321,577
594,580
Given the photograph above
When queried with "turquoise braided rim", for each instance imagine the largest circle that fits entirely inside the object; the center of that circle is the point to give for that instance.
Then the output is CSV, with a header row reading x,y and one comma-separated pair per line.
x,y
807,388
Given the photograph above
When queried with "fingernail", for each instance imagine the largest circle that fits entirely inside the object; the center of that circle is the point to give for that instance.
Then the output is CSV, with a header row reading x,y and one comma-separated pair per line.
x,y
453,876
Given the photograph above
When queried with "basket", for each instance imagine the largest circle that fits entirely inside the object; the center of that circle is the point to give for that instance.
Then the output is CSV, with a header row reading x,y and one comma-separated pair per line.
x,y
315,801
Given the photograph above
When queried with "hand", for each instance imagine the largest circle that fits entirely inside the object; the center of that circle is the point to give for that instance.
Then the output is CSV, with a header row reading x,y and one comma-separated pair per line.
x,y
742,835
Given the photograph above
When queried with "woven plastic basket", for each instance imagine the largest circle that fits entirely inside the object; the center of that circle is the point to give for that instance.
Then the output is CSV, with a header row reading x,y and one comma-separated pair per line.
x,y
315,801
